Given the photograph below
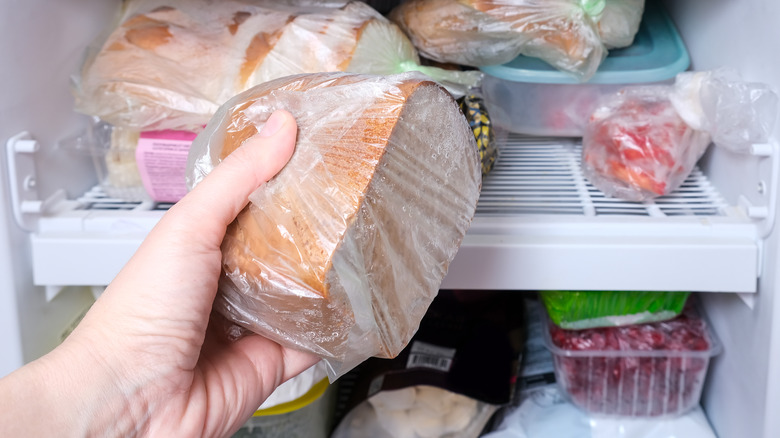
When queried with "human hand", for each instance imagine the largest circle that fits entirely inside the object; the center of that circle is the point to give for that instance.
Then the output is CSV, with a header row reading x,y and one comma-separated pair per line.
x,y
142,360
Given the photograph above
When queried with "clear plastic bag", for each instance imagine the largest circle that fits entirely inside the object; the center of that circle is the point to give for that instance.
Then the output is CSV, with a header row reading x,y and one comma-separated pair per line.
x,y
734,112
343,251
643,142
619,22
636,146
168,64
565,33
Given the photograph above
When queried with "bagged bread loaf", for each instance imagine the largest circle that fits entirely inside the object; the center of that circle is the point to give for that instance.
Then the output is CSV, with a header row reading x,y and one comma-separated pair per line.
x,y
568,34
168,64
341,253
486,32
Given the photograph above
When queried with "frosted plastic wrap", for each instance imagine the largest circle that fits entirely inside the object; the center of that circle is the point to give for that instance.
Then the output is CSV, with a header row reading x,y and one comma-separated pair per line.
x,y
576,310
734,112
343,251
169,64
643,142
565,33
619,22
545,412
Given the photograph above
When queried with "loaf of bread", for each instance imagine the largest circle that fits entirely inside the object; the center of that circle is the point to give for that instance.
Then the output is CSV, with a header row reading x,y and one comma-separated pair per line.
x,y
341,253
485,32
168,64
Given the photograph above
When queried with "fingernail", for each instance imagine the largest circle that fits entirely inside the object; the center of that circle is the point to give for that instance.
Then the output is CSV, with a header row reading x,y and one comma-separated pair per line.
x,y
272,125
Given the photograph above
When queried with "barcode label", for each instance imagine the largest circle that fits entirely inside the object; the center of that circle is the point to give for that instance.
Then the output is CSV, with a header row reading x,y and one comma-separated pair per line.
x,y
423,355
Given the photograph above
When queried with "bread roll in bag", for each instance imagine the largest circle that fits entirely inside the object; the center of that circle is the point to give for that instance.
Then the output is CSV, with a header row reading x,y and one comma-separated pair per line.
x,y
342,252
169,64
568,34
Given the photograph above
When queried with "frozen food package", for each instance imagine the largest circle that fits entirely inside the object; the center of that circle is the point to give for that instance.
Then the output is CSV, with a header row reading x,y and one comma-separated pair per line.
x,y
544,412
416,412
619,22
168,64
342,252
564,33
642,142
575,310
644,370
637,147
460,366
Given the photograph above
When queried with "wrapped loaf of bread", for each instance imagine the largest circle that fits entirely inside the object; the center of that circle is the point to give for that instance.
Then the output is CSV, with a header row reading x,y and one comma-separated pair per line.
x,y
342,252
169,64
564,33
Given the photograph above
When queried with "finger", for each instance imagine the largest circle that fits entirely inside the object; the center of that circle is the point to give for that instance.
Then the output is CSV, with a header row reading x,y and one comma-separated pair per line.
x,y
225,191
255,366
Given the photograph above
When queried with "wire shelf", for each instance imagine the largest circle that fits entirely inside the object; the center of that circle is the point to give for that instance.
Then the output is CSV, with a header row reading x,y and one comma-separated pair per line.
x,y
544,176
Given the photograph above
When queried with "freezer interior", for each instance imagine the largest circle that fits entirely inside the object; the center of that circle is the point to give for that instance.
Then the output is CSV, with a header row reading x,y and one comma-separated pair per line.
x,y
716,237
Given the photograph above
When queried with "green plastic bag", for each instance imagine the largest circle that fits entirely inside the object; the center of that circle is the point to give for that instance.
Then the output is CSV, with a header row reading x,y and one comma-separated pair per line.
x,y
575,310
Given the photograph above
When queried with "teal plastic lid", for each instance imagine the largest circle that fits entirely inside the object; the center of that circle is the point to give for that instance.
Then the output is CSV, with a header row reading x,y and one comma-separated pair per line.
x,y
658,54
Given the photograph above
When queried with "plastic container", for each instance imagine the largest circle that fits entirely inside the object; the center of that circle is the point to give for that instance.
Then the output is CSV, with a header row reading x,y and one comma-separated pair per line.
x,y
528,96
575,310
645,370
309,416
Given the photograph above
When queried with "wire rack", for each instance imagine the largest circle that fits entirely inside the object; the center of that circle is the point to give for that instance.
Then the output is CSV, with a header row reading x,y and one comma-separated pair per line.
x,y
543,176
533,176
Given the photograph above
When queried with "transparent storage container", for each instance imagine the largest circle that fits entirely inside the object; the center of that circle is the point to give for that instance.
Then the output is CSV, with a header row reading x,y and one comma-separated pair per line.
x,y
309,416
644,370
528,96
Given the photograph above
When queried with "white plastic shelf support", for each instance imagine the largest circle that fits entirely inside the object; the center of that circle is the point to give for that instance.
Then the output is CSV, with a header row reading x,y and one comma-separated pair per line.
x,y
88,246
536,228
539,225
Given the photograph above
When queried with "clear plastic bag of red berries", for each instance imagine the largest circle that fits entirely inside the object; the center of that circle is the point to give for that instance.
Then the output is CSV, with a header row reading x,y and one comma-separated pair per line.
x,y
643,141
643,370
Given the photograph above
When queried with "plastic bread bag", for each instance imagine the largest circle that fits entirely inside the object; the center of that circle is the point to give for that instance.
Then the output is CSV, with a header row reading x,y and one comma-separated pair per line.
x,y
341,253
576,310
563,33
644,370
168,64
643,142
458,369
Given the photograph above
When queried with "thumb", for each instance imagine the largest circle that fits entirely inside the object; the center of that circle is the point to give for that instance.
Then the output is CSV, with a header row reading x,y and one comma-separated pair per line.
x,y
225,191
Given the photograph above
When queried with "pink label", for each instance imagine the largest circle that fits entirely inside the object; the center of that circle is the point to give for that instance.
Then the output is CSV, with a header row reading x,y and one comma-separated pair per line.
x,y
162,162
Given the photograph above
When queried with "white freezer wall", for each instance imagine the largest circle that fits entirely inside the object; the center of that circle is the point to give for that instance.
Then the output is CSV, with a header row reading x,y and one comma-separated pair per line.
x,y
742,395
41,44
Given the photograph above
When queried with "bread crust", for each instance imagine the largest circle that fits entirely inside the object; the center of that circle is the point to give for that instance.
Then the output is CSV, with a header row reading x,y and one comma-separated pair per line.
x,y
342,252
